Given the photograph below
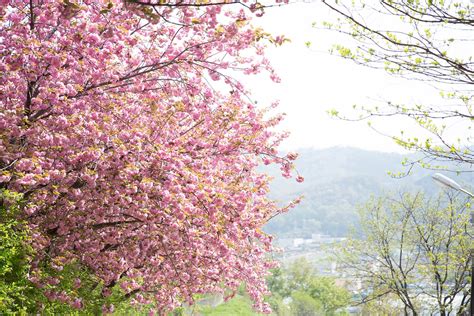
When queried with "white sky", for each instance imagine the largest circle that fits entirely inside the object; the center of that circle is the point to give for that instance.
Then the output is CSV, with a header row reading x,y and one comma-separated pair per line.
x,y
313,81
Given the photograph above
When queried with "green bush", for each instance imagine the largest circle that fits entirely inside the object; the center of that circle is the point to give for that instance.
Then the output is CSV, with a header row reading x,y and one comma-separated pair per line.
x,y
304,305
15,288
300,285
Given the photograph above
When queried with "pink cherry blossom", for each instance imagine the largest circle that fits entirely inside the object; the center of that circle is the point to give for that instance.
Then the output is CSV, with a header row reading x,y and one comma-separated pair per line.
x,y
130,160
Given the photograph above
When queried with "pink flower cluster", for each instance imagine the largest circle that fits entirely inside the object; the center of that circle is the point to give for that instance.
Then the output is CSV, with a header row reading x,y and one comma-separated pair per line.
x,y
128,158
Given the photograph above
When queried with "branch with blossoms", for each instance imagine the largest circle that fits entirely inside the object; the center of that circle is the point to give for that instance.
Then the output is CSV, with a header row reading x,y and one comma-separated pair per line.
x,y
254,6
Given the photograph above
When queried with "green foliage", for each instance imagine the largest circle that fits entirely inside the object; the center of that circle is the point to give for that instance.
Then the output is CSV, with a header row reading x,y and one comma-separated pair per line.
x,y
331,296
14,257
278,306
382,306
238,306
309,294
303,304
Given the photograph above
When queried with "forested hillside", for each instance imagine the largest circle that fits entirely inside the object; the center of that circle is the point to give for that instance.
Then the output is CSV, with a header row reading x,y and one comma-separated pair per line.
x,y
336,181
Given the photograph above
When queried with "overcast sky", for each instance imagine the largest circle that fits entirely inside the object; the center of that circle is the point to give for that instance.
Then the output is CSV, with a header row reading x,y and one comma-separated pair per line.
x,y
313,81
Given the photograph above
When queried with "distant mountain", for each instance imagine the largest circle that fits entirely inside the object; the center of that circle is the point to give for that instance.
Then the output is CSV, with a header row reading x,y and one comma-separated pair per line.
x,y
337,180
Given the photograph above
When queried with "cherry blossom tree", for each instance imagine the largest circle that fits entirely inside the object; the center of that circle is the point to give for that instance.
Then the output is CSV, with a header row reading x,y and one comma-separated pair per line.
x,y
133,146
